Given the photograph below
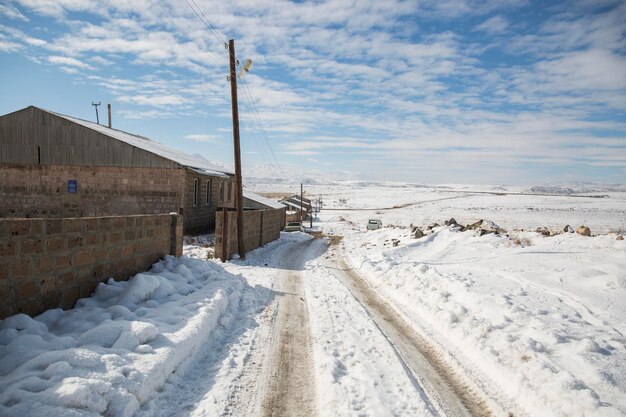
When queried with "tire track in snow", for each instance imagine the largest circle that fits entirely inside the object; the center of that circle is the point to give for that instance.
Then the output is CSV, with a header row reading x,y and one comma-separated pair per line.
x,y
290,384
454,395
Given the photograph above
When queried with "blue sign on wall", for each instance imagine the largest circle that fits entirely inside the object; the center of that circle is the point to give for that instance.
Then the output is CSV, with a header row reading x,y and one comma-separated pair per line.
x,y
72,186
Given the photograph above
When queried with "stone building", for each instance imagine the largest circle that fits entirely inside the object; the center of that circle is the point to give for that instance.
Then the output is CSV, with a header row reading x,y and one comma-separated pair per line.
x,y
52,165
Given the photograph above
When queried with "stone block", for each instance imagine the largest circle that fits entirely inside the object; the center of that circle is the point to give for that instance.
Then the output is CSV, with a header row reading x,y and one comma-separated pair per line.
x,y
92,238
30,307
114,237
67,280
73,226
118,223
92,224
20,268
47,284
54,226
37,227
17,228
28,289
83,257
8,248
44,265
63,263
74,241
55,245
52,300
70,296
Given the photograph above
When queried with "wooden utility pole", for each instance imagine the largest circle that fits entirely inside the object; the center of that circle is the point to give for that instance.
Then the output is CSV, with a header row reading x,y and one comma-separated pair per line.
x,y
239,187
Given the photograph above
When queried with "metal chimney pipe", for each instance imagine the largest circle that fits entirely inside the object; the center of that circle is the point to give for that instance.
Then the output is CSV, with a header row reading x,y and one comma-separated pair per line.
x,y
109,108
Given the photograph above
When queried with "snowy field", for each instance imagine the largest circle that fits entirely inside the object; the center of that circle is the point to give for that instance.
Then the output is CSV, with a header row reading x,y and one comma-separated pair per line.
x,y
530,325
537,322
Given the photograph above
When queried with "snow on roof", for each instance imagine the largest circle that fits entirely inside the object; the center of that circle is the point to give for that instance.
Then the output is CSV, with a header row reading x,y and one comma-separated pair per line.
x,y
296,200
197,164
260,199
294,205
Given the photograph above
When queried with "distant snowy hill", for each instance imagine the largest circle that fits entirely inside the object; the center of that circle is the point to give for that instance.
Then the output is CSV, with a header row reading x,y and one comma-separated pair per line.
x,y
267,173
569,188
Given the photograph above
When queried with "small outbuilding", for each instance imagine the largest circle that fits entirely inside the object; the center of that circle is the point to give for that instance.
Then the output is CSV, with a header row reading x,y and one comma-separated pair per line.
x,y
53,165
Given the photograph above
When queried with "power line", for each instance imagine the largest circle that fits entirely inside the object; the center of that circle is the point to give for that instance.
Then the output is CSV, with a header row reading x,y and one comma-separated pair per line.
x,y
252,121
174,25
257,125
206,22
259,122
247,93
255,112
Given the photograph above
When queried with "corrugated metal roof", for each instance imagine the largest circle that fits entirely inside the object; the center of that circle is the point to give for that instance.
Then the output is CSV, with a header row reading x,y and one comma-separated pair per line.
x,y
197,164
262,200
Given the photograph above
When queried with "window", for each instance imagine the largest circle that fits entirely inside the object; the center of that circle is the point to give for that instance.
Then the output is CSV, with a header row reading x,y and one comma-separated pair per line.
x,y
208,192
230,191
196,190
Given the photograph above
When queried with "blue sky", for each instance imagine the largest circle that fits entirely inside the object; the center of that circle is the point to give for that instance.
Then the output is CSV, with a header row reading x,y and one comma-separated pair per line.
x,y
464,91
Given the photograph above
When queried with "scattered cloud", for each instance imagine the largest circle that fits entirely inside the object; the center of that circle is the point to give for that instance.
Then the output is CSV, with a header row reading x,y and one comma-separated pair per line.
x,y
203,137
155,100
12,12
445,82
493,25
68,62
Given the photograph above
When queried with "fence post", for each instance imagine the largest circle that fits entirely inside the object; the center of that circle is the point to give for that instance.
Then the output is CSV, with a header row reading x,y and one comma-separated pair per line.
x,y
224,233
176,241
261,230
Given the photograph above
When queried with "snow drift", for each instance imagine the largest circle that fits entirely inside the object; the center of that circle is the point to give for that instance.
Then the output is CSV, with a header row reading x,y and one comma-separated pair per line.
x,y
115,349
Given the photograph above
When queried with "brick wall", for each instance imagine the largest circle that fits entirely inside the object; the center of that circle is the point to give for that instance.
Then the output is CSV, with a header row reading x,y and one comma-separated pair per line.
x,y
49,263
28,190
200,217
259,228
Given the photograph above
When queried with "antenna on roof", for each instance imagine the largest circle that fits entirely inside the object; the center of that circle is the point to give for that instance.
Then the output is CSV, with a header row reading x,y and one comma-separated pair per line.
x,y
96,106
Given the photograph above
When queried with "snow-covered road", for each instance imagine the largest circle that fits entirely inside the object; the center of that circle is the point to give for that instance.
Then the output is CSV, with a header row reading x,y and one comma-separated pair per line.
x,y
338,363
290,388
360,323
452,394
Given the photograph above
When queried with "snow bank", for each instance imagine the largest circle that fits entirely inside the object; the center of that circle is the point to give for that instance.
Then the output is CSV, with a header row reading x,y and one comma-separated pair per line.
x,y
543,323
115,349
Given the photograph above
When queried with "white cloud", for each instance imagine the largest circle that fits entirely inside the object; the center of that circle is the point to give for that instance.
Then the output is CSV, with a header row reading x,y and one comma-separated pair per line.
x,y
67,61
203,137
155,100
493,25
12,12
6,46
339,77
144,114
594,69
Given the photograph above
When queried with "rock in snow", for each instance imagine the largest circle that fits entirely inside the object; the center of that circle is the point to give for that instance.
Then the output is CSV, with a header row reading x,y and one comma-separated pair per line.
x,y
583,230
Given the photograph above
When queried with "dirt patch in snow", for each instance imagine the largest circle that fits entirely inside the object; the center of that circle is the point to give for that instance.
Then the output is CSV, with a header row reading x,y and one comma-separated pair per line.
x,y
290,389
